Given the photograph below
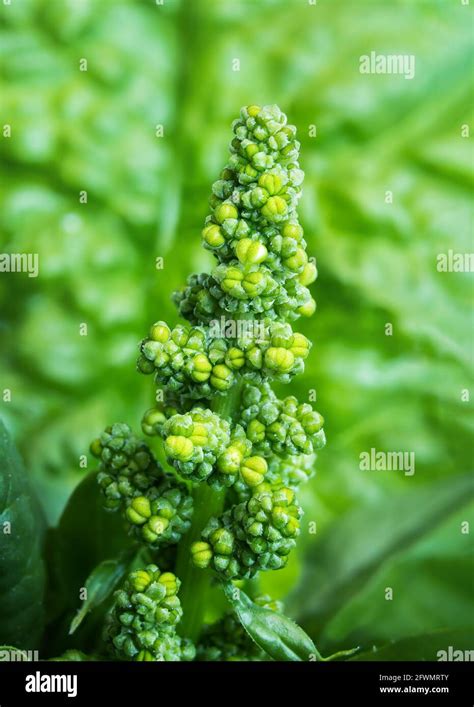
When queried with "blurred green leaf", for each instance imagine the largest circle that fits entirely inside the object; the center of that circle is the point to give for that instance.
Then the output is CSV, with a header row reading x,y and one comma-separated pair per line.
x,y
424,647
351,551
421,590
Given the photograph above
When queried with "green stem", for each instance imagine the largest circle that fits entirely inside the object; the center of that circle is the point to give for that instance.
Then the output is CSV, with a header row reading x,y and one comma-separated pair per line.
x,y
208,502
196,582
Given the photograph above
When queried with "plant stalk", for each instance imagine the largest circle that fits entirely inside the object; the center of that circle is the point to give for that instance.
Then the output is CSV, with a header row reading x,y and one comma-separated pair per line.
x,y
208,502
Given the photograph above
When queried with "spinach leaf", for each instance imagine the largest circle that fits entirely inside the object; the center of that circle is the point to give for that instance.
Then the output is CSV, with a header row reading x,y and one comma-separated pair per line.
x,y
101,583
22,576
86,535
275,633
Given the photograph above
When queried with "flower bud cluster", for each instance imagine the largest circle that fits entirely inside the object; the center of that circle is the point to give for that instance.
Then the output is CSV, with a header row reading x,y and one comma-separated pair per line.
x,y
280,427
254,535
157,507
253,228
142,622
203,447
221,424
192,363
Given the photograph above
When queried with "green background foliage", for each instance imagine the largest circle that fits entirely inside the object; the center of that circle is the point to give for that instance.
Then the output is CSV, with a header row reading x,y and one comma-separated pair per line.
x,y
171,65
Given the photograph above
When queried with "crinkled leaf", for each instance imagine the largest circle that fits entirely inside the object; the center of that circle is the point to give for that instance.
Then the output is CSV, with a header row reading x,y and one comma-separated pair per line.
x,y
22,573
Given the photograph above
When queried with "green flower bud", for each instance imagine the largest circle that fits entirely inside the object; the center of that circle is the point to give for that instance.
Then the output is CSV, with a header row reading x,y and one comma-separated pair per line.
x,y
262,161
272,183
250,252
180,336
319,440
225,211
139,510
292,230
312,422
212,235
145,366
288,247
140,580
300,345
279,359
235,358
256,431
145,656
232,280
96,447
250,149
229,462
170,582
308,274
222,188
202,368
253,470
178,447
260,133
197,339
155,527
199,435
160,332
256,198
296,177
307,309
182,425
201,554
221,377
281,335
254,357
275,209
297,261
152,421
222,541
254,283
253,111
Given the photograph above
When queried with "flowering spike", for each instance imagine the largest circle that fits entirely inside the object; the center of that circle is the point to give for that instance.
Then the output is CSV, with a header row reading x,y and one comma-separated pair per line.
x,y
236,451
